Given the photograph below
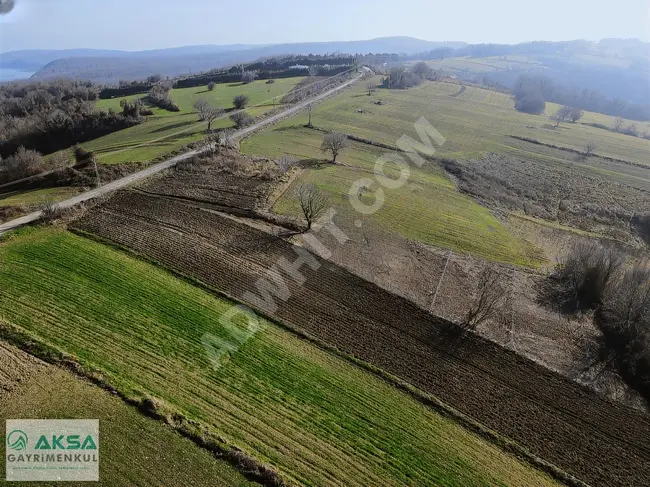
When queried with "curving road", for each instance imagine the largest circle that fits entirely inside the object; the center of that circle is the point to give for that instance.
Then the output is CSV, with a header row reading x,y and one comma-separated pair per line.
x,y
161,166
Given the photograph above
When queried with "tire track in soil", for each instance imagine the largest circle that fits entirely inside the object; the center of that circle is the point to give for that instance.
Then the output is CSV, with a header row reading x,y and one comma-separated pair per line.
x,y
600,442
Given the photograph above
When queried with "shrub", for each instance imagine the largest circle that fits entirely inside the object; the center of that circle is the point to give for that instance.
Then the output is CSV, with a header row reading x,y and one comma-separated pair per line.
x,y
24,163
248,76
270,81
241,119
583,280
50,211
286,163
159,96
82,155
211,86
530,102
59,160
240,101
624,321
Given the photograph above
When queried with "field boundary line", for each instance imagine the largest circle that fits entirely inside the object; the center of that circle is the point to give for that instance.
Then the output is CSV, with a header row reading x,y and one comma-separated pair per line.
x,y
466,421
196,431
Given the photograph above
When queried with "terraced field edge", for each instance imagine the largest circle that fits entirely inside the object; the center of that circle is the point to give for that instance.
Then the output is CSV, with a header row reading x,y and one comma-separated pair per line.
x,y
250,467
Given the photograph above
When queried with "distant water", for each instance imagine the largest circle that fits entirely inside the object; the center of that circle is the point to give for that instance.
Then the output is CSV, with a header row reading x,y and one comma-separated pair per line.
x,y
14,74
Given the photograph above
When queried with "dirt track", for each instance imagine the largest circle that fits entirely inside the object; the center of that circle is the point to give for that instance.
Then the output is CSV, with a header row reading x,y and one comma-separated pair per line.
x,y
599,442
162,166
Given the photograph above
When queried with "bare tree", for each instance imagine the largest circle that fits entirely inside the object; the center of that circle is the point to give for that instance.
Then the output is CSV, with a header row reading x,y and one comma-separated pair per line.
x,y
206,112
618,123
286,163
313,203
335,143
313,70
248,76
576,114
490,297
589,149
211,86
562,114
371,87
632,130
310,109
240,101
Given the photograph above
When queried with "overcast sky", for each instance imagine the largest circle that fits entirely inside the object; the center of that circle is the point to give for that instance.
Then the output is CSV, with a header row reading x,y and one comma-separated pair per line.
x,y
147,24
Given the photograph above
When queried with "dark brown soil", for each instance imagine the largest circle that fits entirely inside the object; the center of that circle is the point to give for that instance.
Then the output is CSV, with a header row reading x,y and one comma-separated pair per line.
x,y
598,441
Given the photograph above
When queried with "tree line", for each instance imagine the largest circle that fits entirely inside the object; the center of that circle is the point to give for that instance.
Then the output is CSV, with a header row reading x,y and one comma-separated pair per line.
x,y
54,115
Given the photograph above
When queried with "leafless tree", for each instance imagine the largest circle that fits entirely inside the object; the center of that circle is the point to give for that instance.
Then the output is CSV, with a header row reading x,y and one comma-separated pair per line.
x,y
371,87
490,297
618,123
248,76
576,114
211,86
310,109
313,70
313,203
206,112
562,114
240,101
589,149
335,143
632,130
285,163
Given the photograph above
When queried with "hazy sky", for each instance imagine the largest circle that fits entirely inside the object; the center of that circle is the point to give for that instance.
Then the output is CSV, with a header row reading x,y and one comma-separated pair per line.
x,y
146,24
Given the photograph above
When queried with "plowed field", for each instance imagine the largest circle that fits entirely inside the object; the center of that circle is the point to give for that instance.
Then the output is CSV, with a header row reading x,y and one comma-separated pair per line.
x,y
599,442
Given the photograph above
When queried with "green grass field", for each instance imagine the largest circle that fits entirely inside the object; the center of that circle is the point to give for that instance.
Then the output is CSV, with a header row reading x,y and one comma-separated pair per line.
x,y
134,450
319,419
166,131
474,122
33,198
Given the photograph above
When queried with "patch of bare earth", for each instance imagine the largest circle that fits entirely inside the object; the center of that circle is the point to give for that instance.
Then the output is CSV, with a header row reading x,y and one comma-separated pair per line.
x,y
16,368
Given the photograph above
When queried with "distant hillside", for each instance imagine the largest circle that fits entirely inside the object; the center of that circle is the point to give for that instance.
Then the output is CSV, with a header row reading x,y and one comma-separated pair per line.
x,y
112,66
36,59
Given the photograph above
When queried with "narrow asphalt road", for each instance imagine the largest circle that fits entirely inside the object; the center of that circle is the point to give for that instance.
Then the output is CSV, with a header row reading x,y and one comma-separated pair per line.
x,y
161,166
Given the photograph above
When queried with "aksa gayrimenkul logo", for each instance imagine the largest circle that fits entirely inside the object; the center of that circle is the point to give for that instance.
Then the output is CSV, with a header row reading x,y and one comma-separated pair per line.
x,y
17,440
52,450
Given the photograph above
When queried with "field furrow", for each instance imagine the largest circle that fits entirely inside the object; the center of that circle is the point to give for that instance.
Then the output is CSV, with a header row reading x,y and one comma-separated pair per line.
x,y
553,417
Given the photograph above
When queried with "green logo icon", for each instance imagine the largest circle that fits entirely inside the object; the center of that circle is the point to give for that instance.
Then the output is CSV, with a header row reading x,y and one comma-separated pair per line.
x,y
17,440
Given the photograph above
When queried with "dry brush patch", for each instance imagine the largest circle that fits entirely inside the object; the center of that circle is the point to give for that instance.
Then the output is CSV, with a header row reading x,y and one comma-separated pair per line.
x,y
556,419
564,193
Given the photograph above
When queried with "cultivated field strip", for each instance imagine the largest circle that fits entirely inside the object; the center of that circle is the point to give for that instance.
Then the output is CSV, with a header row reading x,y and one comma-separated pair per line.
x,y
600,442
318,419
